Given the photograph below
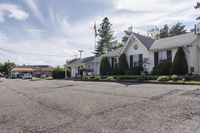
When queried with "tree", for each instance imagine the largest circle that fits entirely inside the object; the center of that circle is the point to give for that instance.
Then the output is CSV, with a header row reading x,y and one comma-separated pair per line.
x,y
179,65
7,67
127,34
106,40
123,65
119,45
1,67
105,68
197,6
177,29
58,73
154,33
164,32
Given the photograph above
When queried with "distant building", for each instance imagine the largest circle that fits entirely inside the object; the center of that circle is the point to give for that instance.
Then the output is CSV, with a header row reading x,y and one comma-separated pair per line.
x,y
35,70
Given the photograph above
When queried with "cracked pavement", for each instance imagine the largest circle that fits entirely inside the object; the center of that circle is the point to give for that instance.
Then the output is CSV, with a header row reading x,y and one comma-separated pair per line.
x,y
60,106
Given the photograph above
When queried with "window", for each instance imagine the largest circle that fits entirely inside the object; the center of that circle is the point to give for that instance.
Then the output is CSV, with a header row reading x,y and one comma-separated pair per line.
x,y
136,60
162,55
169,56
114,62
156,58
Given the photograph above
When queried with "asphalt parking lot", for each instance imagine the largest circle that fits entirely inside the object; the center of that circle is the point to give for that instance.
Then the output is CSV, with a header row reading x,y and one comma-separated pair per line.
x,y
60,106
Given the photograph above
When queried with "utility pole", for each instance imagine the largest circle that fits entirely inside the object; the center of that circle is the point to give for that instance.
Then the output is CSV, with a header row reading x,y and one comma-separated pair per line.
x,y
80,51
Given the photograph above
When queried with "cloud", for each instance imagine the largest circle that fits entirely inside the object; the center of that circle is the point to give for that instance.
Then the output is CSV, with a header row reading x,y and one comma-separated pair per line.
x,y
38,51
143,14
33,7
12,11
64,29
35,33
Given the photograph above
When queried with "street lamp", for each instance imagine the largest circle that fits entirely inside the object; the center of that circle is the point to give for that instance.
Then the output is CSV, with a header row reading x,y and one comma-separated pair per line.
x,y
80,51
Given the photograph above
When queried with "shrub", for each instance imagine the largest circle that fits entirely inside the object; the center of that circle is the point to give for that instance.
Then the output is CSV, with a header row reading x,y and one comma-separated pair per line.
x,y
180,65
97,78
134,71
86,78
192,78
162,69
85,69
143,77
110,78
174,78
123,65
58,73
69,72
105,67
163,79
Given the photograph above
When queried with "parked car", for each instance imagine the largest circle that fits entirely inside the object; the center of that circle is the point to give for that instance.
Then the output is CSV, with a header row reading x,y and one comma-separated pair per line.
x,y
27,76
13,76
43,76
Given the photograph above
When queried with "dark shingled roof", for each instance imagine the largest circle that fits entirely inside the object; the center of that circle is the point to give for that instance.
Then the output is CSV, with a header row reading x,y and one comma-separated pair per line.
x,y
82,61
87,59
145,40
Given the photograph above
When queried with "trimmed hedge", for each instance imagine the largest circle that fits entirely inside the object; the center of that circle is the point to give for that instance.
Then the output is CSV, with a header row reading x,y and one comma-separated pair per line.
x,y
105,68
123,64
180,65
134,71
162,69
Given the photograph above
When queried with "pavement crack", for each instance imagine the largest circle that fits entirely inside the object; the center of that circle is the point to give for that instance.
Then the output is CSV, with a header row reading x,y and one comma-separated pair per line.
x,y
159,97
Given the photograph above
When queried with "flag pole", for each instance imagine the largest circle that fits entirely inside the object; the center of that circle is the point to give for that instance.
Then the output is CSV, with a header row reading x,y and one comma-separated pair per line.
x,y
95,36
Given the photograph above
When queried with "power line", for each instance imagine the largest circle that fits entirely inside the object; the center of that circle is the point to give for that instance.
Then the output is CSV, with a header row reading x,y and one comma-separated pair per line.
x,y
29,53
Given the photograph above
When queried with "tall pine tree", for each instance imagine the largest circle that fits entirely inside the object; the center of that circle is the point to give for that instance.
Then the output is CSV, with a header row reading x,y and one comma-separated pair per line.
x,y
164,32
197,6
177,29
106,40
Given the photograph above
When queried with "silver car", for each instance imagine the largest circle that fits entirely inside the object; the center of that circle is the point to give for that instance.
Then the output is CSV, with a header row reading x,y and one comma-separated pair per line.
x,y
27,76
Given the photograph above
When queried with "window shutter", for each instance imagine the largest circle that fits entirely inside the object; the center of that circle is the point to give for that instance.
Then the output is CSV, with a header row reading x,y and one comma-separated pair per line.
x,y
169,56
131,61
112,62
140,60
155,58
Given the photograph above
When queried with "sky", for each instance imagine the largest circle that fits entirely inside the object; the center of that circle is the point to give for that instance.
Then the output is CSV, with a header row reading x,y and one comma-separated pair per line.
x,y
52,31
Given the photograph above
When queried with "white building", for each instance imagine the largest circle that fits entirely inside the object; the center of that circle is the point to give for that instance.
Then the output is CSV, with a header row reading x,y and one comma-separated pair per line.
x,y
146,52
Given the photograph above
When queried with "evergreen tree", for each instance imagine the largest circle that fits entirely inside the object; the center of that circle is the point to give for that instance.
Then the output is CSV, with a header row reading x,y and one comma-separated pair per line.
x,y
106,40
177,29
197,6
105,67
123,65
164,32
154,33
127,34
119,45
1,67
179,65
